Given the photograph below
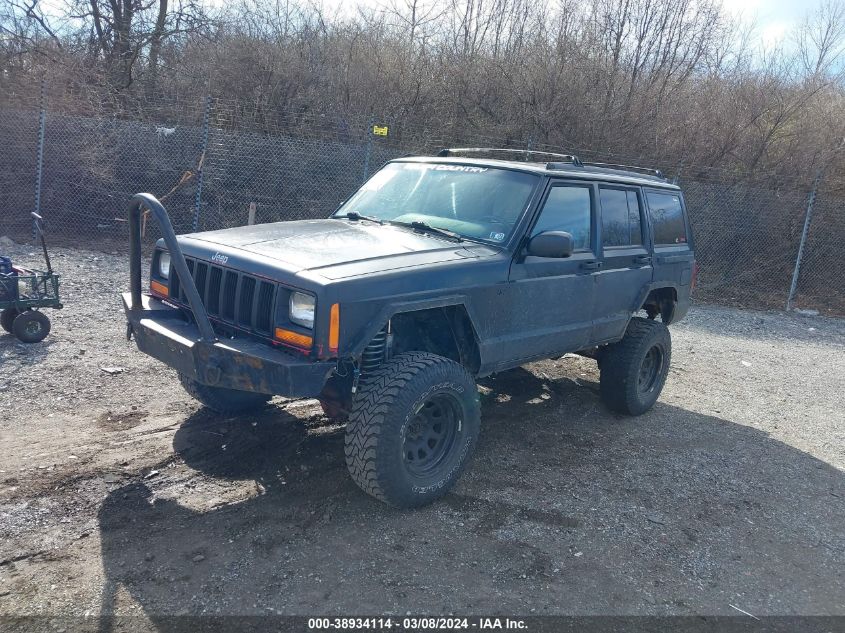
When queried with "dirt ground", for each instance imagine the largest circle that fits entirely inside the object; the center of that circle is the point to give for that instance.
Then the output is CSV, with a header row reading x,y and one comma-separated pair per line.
x,y
118,494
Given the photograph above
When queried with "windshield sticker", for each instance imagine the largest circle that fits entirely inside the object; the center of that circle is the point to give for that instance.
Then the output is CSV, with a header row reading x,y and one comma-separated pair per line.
x,y
497,237
464,168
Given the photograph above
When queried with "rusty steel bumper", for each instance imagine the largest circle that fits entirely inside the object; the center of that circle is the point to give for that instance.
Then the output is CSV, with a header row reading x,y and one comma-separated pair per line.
x,y
163,333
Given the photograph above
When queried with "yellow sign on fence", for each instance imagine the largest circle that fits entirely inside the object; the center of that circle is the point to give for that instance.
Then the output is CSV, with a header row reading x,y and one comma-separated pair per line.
x,y
380,130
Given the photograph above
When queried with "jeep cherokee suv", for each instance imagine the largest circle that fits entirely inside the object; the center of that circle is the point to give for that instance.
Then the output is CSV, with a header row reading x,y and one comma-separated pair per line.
x,y
437,271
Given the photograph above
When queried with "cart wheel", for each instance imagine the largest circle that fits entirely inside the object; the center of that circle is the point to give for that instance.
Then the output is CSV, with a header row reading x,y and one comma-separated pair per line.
x,y
7,317
31,326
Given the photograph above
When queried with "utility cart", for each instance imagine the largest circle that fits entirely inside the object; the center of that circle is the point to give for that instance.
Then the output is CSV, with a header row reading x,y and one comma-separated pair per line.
x,y
24,291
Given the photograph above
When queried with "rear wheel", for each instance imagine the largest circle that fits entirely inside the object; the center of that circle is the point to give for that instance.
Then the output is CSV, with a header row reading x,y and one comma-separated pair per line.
x,y
7,316
31,326
634,370
224,400
412,429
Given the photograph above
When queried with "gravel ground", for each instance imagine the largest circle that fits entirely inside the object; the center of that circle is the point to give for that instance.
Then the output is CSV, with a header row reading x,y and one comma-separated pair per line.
x,y
118,494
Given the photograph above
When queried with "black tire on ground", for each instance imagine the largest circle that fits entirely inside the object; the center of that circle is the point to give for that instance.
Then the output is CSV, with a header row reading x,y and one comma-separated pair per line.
x,y
7,316
634,370
412,429
224,400
31,326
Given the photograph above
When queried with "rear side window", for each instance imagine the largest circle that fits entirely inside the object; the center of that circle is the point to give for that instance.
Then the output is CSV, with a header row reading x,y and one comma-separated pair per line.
x,y
667,218
567,209
620,218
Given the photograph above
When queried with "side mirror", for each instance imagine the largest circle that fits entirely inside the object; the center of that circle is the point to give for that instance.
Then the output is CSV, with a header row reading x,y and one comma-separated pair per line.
x,y
556,244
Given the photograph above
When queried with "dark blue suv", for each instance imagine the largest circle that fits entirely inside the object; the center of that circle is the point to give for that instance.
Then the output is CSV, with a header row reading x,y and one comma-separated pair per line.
x,y
439,270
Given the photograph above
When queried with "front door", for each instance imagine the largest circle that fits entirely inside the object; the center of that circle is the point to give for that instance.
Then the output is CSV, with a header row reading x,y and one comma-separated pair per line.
x,y
554,296
627,265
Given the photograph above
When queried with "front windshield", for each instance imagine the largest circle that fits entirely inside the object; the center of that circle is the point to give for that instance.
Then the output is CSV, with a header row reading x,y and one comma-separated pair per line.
x,y
476,202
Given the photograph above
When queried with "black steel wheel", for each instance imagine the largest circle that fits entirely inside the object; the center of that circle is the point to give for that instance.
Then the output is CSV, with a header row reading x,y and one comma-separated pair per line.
x,y
430,434
7,317
650,369
412,429
634,370
31,326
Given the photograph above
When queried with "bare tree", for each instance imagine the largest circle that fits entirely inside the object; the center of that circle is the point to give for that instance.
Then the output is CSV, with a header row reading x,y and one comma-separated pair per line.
x,y
821,39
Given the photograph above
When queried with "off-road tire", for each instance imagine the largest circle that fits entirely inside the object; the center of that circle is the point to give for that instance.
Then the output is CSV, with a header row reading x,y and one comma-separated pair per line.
x,y
621,387
222,400
31,326
388,403
7,316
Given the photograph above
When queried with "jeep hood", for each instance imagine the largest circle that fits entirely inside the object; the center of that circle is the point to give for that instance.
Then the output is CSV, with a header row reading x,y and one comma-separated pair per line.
x,y
331,248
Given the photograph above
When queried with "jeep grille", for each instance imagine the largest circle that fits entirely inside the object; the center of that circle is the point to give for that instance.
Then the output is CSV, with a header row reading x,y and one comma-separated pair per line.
x,y
231,298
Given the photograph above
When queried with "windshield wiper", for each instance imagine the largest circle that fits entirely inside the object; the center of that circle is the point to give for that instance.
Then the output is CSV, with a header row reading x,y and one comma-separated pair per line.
x,y
427,228
354,215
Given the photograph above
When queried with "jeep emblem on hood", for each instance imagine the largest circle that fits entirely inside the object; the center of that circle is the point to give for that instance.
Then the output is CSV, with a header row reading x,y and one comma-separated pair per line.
x,y
220,259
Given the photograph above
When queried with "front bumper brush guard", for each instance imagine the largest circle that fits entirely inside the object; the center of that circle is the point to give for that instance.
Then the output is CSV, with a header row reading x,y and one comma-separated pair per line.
x,y
177,259
192,348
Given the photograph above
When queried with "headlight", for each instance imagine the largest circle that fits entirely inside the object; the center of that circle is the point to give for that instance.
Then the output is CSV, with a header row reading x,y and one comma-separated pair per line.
x,y
164,265
302,309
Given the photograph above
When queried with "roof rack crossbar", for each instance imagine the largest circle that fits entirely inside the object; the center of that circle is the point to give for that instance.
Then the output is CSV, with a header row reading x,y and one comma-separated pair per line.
x,y
569,158
648,170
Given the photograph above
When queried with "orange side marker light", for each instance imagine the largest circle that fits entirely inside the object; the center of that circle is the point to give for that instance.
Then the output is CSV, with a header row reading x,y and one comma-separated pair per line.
x,y
334,328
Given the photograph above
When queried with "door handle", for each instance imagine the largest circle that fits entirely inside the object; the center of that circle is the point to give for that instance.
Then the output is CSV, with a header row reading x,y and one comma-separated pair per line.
x,y
673,259
642,259
590,265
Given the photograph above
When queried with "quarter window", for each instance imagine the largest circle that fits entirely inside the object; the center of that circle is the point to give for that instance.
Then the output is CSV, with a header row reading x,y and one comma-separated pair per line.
x,y
567,209
620,218
667,218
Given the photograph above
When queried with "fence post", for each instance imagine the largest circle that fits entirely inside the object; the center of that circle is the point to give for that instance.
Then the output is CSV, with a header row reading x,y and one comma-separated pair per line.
x,y
39,167
677,175
529,146
206,118
369,149
807,219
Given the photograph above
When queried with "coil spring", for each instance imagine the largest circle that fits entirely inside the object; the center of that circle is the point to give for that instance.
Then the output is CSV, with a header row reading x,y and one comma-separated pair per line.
x,y
374,354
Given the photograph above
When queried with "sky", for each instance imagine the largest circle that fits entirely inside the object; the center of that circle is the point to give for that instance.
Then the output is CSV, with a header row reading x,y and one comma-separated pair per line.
x,y
775,18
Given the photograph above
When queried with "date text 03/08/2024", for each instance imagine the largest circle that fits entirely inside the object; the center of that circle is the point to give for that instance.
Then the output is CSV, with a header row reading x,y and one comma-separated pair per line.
x,y
417,623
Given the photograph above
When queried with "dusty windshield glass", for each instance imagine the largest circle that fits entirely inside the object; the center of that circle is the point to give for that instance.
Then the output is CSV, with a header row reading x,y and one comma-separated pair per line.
x,y
477,202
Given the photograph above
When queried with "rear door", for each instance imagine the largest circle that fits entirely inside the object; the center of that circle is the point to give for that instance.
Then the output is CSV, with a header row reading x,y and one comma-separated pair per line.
x,y
673,250
626,260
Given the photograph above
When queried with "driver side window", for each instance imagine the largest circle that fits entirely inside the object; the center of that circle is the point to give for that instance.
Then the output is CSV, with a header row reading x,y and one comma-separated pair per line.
x,y
567,208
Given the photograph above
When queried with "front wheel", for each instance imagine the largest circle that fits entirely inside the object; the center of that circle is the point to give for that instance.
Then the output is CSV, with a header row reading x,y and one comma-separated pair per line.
x,y
634,370
412,429
31,326
222,400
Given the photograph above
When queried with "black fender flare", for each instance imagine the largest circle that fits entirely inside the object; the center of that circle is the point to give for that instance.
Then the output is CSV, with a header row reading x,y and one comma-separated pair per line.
x,y
392,309
647,289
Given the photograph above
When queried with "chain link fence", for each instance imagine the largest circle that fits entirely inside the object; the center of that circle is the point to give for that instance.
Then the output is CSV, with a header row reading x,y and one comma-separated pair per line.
x,y
214,164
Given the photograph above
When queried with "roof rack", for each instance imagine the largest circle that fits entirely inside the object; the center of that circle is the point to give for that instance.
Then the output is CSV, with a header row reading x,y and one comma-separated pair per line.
x,y
565,159
571,159
647,170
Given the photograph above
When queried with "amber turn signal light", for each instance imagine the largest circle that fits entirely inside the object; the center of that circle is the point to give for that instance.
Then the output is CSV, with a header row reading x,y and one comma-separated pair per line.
x,y
158,288
294,338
